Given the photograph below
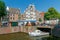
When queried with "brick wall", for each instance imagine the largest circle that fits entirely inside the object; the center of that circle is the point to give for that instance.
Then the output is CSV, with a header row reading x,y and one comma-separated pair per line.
x,y
5,30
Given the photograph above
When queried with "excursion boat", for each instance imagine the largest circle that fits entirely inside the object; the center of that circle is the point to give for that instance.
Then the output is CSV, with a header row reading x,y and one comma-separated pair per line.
x,y
38,33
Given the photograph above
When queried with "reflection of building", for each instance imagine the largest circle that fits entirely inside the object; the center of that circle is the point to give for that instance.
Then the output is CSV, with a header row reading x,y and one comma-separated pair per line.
x,y
32,14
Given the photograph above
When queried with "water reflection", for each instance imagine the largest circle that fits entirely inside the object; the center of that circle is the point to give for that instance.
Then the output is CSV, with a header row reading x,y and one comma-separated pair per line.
x,y
45,38
39,38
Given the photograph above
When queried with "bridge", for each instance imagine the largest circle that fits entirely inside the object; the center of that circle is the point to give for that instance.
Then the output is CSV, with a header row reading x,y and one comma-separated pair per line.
x,y
46,28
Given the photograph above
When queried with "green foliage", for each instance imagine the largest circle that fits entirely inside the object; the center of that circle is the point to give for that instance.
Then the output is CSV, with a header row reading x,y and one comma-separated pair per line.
x,y
40,19
2,9
51,14
58,16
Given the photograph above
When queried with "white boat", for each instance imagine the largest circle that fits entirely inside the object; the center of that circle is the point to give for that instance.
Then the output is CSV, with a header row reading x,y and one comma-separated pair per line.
x,y
38,33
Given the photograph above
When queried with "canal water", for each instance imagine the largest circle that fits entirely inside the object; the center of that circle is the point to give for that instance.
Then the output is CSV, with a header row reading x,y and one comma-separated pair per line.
x,y
39,38
45,38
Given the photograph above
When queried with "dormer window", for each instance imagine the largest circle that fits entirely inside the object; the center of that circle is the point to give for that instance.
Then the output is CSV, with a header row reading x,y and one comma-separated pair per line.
x,y
30,8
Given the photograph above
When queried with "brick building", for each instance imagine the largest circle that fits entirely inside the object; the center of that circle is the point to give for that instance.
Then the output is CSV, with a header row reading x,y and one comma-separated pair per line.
x,y
10,21
13,17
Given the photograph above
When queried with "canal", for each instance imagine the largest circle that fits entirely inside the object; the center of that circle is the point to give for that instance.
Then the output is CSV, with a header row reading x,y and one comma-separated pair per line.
x,y
39,38
50,37
45,30
45,38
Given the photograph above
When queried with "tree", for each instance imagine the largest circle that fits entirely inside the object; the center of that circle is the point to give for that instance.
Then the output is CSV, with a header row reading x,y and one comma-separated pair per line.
x,y
40,19
58,15
2,10
51,14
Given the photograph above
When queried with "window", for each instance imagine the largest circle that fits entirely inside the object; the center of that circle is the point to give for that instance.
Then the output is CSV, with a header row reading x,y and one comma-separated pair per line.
x,y
12,14
11,18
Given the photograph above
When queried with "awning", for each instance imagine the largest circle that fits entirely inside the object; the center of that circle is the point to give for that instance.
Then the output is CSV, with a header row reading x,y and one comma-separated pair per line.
x,y
14,23
27,21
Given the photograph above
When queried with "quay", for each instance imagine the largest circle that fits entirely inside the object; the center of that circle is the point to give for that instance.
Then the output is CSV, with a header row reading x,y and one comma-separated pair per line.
x,y
4,30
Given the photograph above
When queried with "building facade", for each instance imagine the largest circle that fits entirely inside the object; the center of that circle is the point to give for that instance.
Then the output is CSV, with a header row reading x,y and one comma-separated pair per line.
x,y
13,19
31,14
13,15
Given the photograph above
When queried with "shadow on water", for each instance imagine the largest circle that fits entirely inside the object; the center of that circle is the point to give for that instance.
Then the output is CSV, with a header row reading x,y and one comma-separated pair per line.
x,y
52,38
39,38
45,38
55,32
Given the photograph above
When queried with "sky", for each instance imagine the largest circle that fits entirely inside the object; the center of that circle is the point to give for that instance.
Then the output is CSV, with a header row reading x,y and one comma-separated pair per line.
x,y
41,5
